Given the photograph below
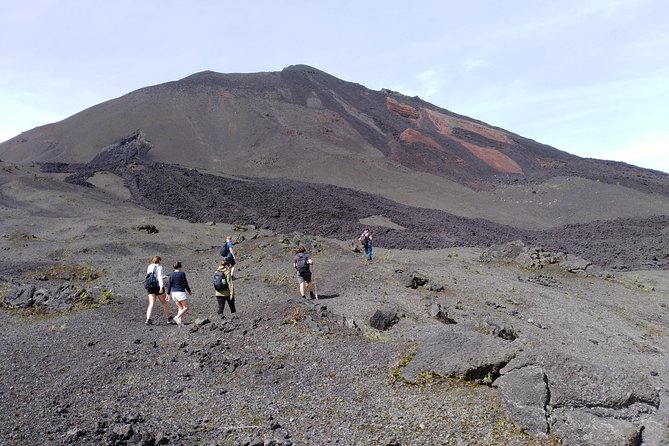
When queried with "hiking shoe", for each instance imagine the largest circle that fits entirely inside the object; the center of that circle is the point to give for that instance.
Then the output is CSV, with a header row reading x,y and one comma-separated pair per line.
x,y
149,322
170,319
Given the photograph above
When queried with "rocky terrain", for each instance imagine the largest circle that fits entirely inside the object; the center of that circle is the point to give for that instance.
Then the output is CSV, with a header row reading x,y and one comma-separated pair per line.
x,y
510,344
517,296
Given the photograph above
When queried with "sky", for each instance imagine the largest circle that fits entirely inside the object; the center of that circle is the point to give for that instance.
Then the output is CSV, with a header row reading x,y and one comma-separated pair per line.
x,y
590,77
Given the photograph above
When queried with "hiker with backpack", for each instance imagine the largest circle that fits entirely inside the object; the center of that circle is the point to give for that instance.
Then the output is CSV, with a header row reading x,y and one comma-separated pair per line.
x,y
303,264
178,289
225,290
366,240
227,251
153,282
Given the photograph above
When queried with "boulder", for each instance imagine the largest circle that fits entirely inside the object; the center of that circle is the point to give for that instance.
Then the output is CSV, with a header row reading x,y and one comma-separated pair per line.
x,y
384,319
526,256
20,296
65,297
150,229
574,264
588,403
579,427
656,428
405,279
526,399
411,279
41,296
438,312
436,287
451,351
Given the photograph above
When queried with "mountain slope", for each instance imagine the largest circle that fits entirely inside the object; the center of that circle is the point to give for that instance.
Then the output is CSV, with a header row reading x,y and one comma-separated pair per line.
x,y
304,124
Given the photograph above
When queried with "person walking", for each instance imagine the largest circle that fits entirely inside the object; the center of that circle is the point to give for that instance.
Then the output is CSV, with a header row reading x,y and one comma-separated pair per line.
x,y
366,240
179,290
227,251
303,264
225,289
156,270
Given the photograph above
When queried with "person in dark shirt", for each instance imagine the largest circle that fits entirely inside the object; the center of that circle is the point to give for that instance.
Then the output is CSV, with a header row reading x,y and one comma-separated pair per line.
x,y
303,265
231,255
366,241
179,290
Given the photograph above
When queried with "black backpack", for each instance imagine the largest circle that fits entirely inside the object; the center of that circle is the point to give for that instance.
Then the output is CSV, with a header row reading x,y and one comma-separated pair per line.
x,y
301,263
220,282
151,282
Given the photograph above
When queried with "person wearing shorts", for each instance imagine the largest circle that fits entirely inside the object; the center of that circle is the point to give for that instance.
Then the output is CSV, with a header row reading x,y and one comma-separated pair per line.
x,y
179,291
302,264
231,255
155,268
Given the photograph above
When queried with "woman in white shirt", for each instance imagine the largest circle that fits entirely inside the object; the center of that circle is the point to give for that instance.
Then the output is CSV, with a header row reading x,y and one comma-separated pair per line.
x,y
156,269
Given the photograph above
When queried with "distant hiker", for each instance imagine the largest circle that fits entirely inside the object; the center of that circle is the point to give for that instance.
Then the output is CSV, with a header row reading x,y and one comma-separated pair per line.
x,y
366,240
227,251
177,287
225,289
303,264
155,288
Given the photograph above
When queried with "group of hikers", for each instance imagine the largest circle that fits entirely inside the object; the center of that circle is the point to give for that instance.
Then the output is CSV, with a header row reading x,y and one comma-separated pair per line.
x,y
175,286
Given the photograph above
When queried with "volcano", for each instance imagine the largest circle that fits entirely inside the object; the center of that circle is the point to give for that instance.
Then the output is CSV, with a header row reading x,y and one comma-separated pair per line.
x,y
515,288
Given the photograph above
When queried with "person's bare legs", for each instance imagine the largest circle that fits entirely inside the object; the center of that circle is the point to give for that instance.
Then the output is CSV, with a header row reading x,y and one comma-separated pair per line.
x,y
312,289
166,307
149,309
183,308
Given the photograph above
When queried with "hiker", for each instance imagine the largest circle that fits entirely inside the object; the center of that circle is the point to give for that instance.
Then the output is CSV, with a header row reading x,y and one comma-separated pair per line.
x,y
366,240
225,290
178,289
156,270
227,251
302,264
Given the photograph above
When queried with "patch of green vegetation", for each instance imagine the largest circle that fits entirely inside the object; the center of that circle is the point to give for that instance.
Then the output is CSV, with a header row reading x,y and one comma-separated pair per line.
x,y
275,278
425,377
488,379
294,315
400,365
106,296
69,272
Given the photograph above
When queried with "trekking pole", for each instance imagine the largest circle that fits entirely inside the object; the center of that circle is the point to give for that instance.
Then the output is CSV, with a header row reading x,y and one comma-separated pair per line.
x,y
313,281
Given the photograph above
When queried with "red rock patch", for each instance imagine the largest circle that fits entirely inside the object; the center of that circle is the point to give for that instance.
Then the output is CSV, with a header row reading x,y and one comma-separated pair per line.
x,y
494,158
403,110
412,136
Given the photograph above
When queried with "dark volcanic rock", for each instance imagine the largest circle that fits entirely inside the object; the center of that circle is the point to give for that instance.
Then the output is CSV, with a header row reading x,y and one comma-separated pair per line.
x,y
384,319
570,393
20,296
191,195
456,352
526,399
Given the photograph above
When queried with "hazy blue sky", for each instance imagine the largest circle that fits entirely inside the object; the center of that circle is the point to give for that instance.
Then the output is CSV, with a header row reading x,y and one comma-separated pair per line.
x,y
588,77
